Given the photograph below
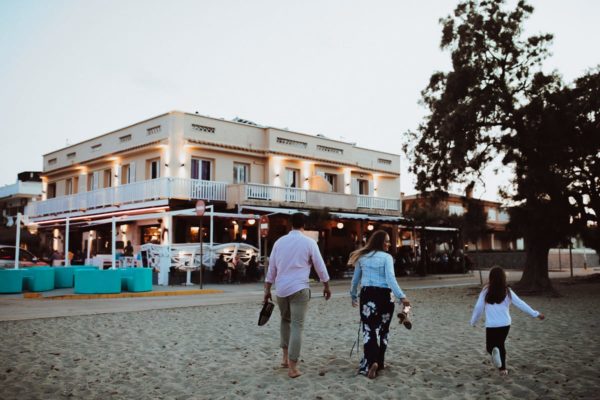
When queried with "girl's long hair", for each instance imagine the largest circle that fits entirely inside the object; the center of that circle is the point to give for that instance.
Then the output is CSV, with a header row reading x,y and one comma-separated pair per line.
x,y
375,242
497,287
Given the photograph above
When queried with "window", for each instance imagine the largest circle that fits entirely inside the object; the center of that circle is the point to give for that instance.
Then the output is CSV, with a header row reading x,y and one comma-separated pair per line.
x,y
328,149
491,214
94,180
455,209
68,186
107,178
292,177
291,142
363,186
71,156
332,179
128,173
51,190
240,173
154,130
202,128
52,161
96,147
153,171
201,169
384,161
125,138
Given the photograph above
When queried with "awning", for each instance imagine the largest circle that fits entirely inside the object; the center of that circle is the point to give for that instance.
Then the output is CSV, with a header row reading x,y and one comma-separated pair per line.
x,y
436,228
367,217
273,210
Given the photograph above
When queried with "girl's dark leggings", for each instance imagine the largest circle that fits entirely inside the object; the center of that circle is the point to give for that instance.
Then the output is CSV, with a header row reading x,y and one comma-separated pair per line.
x,y
495,337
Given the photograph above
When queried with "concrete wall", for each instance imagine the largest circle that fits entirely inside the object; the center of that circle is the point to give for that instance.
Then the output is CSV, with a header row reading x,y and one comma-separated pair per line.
x,y
504,259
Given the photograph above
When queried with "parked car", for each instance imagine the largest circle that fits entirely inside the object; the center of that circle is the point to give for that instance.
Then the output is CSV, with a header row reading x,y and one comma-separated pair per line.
x,y
26,259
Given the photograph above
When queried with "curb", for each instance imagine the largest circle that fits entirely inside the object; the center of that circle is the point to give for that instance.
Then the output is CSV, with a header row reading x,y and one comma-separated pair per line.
x,y
38,296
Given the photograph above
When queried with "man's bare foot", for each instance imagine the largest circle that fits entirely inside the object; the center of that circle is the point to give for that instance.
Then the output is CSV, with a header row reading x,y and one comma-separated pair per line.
x,y
372,374
284,360
293,371
503,372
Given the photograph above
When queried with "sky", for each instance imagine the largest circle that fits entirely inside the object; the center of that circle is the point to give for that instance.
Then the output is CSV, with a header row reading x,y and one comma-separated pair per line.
x,y
352,70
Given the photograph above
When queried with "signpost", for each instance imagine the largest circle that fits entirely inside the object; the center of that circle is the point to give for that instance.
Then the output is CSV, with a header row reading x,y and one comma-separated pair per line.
x,y
264,226
200,209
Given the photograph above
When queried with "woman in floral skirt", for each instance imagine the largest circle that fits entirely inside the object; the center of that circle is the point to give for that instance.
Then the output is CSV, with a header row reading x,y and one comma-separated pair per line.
x,y
374,270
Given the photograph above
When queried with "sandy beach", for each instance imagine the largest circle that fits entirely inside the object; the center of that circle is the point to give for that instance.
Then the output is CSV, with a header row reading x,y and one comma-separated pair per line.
x,y
219,352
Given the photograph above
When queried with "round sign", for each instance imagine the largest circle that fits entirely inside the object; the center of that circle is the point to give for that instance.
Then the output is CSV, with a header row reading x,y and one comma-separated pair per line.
x,y
264,226
200,208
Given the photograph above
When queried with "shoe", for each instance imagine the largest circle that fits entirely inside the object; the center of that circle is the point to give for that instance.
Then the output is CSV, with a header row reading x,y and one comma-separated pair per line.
x,y
403,317
496,357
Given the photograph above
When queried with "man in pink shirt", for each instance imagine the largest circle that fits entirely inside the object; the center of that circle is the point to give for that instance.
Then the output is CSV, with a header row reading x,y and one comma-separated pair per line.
x,y
289,266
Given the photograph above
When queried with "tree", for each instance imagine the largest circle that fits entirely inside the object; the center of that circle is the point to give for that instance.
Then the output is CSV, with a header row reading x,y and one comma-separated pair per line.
x,y
496,102
582,104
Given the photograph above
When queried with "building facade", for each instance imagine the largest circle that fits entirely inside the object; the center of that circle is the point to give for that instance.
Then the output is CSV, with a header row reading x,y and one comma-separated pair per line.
x,y
495,237
170,161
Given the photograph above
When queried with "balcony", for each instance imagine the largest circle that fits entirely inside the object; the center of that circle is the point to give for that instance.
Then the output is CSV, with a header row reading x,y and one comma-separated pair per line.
x,y
258,194
154,189
21,189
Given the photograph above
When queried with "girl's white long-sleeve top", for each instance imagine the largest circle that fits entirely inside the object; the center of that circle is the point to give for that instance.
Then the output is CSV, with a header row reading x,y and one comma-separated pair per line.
x,y
497,315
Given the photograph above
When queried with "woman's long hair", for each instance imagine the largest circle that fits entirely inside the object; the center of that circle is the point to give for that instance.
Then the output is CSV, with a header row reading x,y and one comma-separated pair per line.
x,y
497,287
375,242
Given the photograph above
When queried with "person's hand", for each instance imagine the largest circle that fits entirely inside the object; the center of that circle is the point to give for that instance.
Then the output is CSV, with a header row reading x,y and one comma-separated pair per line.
x,y
267,296
541,316
354,303
405,302
326,291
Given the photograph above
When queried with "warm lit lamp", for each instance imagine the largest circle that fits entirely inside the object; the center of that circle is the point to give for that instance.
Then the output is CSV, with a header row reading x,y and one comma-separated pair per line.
x,y
370,227
340,225
251,221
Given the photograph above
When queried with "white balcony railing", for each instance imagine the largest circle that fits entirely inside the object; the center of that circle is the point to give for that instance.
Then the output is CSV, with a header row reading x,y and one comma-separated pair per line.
x,y
274,193
21,189
381,203
154,189
252,192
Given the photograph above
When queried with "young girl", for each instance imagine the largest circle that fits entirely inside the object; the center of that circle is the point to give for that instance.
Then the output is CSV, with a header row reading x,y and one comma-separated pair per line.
x,y
495,299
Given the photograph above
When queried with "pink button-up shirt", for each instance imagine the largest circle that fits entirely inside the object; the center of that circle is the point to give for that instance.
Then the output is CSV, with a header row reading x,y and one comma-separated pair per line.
x,y
290,262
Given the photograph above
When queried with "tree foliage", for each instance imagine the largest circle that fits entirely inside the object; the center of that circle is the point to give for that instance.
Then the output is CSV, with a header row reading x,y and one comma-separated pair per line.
x,y
496,101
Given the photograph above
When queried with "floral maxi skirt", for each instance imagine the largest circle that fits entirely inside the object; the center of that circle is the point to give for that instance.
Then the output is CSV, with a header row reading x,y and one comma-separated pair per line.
x,y
376,311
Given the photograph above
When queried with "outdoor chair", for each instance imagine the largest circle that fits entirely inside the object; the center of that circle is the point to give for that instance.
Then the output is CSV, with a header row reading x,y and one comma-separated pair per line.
x,y
11,280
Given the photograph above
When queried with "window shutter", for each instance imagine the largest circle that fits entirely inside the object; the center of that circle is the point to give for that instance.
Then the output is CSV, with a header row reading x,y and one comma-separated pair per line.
x,y
371,191
131,172
354,186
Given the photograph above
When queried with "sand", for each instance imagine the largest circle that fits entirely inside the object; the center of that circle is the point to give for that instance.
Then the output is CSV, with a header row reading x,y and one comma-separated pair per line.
x,y
219,352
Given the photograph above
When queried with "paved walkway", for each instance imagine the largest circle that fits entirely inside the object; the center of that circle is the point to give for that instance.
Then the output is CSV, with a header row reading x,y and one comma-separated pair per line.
x,y
15,307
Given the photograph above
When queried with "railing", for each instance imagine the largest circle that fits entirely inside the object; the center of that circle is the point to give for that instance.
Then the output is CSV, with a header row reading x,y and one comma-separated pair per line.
x,y
154,189
243,193
381,203
274,193
21,188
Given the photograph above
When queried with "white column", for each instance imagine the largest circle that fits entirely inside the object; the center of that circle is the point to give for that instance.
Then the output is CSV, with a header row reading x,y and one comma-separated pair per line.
x,y
18,243
114,242
67,261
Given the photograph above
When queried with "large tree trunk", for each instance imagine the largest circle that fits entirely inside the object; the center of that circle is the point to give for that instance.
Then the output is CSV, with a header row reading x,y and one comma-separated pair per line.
x,y
535,277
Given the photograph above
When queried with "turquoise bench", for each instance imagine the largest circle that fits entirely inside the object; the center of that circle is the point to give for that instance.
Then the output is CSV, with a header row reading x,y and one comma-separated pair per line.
x,y
64,277
136,279
93,281
11,280
38,279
